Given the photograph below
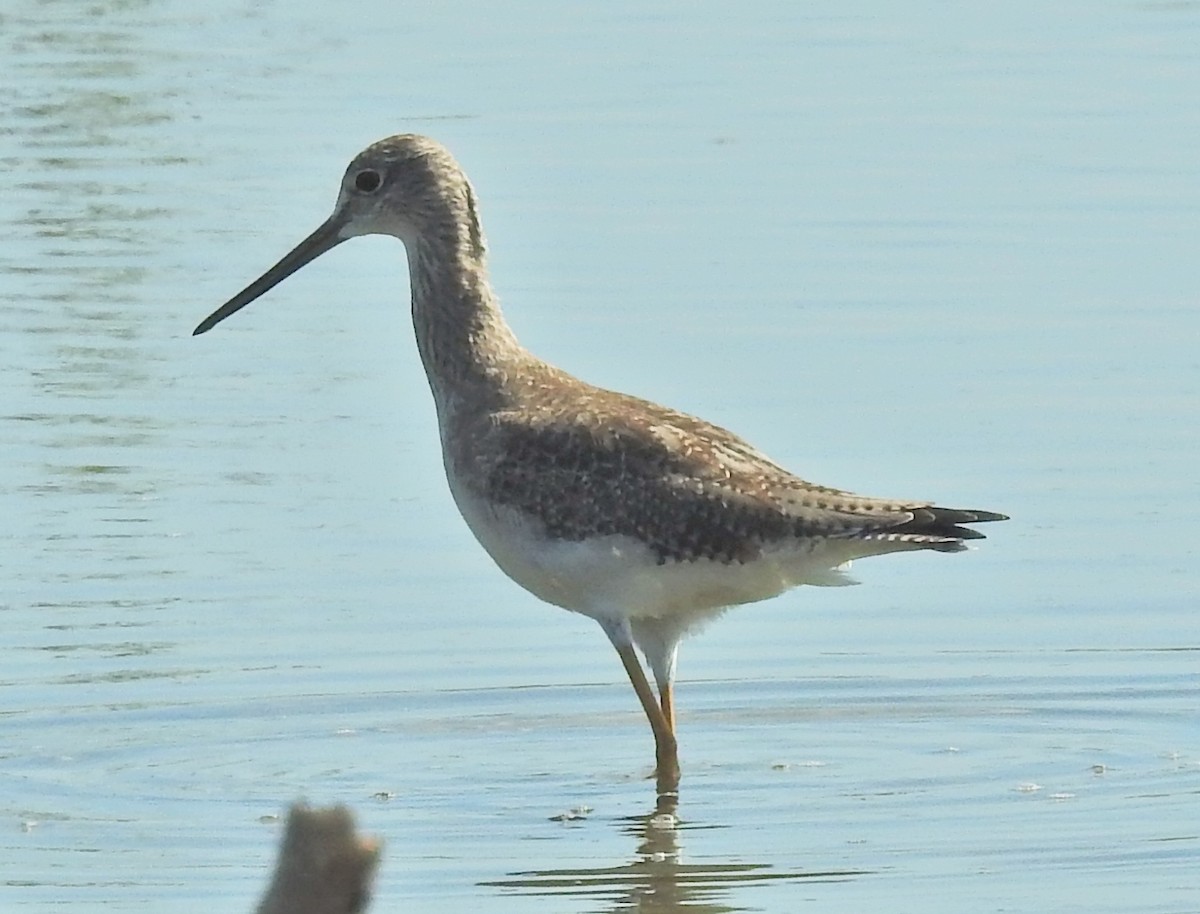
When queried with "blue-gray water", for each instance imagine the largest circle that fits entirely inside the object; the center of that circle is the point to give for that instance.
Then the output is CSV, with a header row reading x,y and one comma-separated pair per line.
x,y
923,250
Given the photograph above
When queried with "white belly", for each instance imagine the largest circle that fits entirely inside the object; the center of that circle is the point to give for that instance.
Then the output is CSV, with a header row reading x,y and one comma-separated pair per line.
x,y
617,576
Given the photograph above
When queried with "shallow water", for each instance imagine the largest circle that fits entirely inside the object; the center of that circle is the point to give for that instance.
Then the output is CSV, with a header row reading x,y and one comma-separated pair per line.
x,y
930,252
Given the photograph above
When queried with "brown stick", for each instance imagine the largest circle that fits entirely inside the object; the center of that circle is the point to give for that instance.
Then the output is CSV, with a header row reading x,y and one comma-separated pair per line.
x,y
323,867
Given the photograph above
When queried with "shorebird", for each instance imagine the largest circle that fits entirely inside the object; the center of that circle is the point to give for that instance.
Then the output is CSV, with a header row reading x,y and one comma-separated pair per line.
x,y
648,520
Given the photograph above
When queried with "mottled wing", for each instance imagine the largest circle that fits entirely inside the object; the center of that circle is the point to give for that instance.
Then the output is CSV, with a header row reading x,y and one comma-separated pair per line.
x,y
684,487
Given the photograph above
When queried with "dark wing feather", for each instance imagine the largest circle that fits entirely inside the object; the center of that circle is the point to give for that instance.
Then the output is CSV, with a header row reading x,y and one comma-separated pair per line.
x,y
617,465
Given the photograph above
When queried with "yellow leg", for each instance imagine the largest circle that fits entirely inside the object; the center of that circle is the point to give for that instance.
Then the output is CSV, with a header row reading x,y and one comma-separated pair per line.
x,y
666,697
661,717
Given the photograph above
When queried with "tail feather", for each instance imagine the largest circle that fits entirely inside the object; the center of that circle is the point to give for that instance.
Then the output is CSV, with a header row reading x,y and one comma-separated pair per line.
x,y
942,524
910,527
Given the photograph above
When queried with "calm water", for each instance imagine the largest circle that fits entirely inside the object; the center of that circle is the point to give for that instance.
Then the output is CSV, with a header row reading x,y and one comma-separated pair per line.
x,y
924,251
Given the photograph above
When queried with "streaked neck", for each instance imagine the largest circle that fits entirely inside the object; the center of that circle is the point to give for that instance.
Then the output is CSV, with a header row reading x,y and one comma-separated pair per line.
x,y
468,350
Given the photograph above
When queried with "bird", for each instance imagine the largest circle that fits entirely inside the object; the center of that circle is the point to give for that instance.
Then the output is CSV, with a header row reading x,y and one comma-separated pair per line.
x,y
648,520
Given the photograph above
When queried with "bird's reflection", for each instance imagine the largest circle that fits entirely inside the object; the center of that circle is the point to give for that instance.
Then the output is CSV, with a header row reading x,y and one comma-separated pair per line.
x,y
656,880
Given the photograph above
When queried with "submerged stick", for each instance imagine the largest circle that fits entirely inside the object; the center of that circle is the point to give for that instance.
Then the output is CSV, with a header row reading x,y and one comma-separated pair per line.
x,y
324,867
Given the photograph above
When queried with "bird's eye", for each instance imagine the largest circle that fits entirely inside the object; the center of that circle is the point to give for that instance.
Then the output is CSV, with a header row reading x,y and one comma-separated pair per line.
x,y
368,181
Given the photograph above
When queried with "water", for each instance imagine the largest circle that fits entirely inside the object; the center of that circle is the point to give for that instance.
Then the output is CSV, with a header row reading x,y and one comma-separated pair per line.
x,y
930,251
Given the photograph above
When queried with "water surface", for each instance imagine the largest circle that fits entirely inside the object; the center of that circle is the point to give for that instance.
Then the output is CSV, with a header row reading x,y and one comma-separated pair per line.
x,y
930,252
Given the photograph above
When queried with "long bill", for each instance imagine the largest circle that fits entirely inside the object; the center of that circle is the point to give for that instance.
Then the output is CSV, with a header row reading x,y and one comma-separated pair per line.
x,y
325,238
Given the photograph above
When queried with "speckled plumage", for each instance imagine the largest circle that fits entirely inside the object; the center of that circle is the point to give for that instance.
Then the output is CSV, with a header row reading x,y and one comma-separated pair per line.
x,y
647,519
689,490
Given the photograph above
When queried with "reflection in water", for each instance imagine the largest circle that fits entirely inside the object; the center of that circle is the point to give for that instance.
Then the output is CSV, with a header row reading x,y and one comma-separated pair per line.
x,y
656,880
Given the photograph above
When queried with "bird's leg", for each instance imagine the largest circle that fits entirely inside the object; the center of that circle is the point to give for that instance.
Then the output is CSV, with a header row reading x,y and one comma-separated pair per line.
x,y
669,784
666,697
659,642
666,748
